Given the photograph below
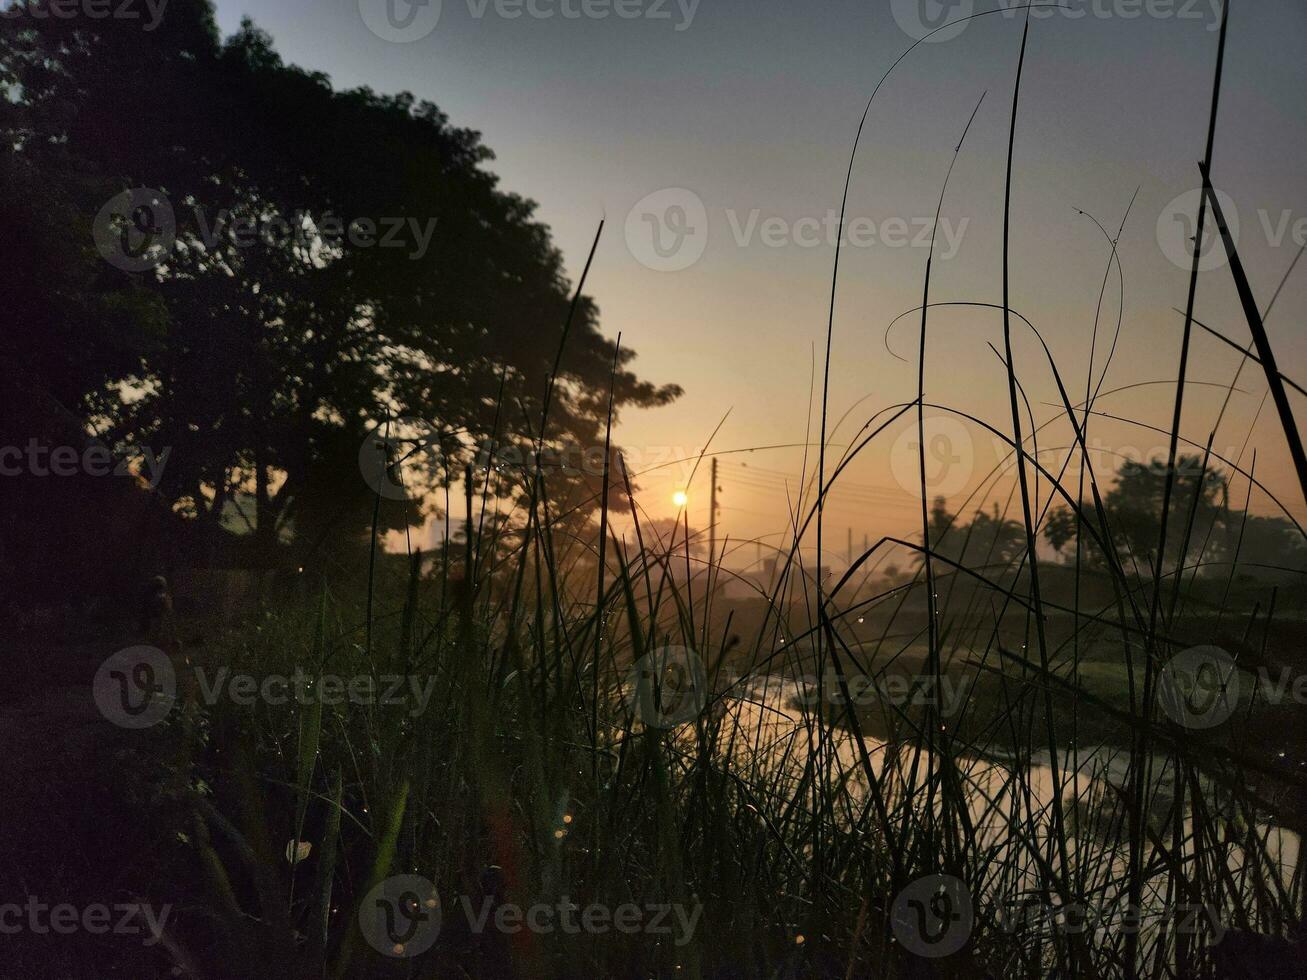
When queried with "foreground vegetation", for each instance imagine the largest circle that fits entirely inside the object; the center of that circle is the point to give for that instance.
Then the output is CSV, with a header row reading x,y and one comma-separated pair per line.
x,y
1073,821
560,710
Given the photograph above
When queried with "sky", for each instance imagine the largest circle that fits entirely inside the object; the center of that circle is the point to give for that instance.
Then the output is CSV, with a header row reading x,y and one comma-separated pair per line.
x,y
713,137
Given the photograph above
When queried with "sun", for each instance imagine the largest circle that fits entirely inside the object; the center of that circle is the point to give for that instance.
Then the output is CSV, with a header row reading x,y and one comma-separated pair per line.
x,y
680,498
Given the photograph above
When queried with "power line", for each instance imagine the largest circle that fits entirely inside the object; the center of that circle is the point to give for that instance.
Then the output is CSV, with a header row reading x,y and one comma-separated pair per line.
x,y
869,494
763,474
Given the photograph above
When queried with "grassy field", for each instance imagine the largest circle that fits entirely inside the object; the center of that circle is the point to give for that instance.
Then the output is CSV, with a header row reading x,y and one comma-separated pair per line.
x,y
552,750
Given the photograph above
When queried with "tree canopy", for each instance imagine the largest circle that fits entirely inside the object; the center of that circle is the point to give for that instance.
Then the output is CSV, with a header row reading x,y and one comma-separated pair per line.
x,y
1213,533
306,264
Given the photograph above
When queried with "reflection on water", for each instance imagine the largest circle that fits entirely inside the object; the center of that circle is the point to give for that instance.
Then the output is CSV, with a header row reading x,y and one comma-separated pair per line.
x,y
771,732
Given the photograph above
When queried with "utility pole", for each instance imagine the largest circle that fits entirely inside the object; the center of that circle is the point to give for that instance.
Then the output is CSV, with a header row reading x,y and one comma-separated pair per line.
x,y
712,517
469,489
850,546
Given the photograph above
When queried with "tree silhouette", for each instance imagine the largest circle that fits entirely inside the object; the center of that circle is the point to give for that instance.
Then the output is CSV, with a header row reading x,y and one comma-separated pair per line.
x,y
1213,533
989,539
1134,506
282,326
